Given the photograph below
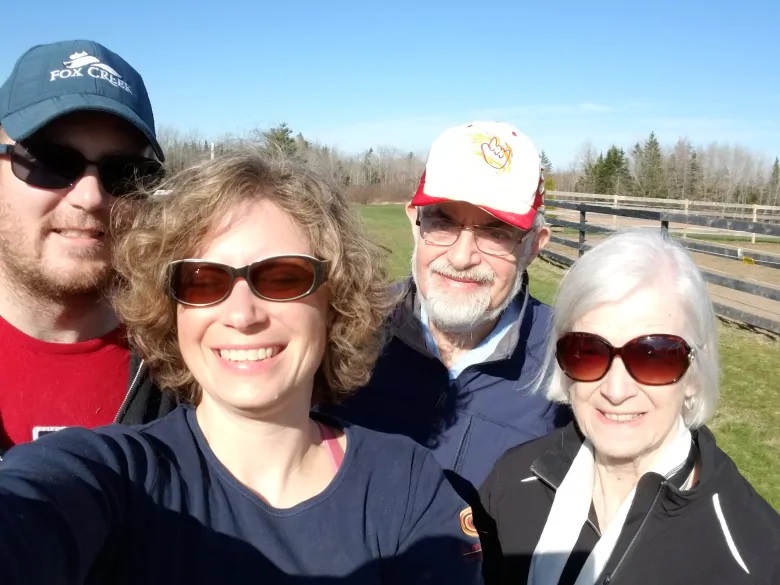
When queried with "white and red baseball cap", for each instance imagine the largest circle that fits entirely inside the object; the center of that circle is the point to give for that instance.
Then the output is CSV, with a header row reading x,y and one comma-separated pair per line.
x,y
489,164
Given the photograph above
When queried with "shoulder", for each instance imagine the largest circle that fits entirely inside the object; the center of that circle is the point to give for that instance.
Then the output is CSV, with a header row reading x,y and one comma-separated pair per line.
x,y
513,468
115,443
371,447
533,329
114,453
539,305
405,476
391,465
401,288
733,490
748,525
542,312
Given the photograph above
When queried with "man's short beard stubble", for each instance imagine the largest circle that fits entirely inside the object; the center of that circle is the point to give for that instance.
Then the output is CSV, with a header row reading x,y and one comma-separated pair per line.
x,y
27,276
455,313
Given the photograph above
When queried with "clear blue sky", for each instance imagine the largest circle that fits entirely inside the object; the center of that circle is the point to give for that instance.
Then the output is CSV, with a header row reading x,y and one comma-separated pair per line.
x,y
396,73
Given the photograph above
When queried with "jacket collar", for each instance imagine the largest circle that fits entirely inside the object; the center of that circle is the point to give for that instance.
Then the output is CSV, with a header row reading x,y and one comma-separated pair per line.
x,y
552,465
405,323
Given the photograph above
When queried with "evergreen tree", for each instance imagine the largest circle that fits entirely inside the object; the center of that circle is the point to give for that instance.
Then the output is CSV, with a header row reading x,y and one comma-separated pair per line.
x,y
547,170
606,175
280,139
616,178
586,181
546,164
649,169
695,188
301,143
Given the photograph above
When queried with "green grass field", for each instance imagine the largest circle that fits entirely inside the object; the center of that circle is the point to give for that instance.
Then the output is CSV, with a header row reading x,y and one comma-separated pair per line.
x,y
747,425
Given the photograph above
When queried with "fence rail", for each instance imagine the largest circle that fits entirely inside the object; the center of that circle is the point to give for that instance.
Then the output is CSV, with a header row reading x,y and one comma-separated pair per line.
x,y
733,211
664,218
657,202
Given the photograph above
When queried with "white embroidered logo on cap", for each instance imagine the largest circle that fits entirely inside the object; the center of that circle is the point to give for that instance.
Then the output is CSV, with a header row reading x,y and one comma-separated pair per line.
x,y
78,62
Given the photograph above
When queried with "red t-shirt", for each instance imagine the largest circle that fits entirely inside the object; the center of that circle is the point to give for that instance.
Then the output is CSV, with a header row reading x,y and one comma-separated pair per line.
x,y
46,386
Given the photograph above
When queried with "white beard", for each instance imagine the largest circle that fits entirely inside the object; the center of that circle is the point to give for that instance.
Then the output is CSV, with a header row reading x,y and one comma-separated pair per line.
x,y
460,312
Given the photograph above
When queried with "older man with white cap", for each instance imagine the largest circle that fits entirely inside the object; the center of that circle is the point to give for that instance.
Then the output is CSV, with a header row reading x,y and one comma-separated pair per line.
x,y
468,338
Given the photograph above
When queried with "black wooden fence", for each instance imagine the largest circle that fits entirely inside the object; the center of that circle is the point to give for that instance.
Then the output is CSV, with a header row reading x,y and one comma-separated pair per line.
x,y
667,217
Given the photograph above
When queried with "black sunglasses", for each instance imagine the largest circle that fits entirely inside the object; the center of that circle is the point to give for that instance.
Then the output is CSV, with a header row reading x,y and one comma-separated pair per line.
x,y
53,166
200,283
653,360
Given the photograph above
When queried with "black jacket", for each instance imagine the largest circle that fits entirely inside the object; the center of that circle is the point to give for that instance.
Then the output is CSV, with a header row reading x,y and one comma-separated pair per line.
x,y
721,532
144,401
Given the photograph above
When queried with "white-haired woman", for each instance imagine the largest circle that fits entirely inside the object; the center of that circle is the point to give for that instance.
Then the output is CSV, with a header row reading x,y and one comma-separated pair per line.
x,y
635,490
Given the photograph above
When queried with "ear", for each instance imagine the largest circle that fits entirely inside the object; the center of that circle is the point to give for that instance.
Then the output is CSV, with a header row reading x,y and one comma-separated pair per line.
x,y
541,239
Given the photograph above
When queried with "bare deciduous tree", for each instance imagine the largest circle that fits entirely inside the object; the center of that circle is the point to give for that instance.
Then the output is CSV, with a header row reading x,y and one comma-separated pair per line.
x,y
715,172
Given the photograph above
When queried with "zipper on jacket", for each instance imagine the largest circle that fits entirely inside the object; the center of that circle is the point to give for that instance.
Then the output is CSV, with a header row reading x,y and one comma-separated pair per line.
x,y
463,447
129,391
609,577
552,486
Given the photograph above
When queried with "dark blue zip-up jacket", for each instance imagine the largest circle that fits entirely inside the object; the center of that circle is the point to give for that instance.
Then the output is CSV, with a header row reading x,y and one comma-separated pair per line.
x,y
468,422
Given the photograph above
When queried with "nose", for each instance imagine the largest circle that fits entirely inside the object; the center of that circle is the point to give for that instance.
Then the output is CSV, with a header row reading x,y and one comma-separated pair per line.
x,y
464,252
242,310
88,193
618,386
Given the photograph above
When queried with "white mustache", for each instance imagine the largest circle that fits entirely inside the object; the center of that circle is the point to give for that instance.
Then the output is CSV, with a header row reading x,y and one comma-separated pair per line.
x,y
481,274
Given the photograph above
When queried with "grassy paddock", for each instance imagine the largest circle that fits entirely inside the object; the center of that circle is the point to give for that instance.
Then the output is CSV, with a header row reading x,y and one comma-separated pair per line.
x,y
738,239
748,417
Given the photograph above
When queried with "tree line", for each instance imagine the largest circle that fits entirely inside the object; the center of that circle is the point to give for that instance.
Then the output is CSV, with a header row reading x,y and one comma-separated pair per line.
x,y
721,173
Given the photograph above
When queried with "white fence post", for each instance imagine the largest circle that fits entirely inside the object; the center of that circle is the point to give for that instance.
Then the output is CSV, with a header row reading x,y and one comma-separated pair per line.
x,y
755,219
614,204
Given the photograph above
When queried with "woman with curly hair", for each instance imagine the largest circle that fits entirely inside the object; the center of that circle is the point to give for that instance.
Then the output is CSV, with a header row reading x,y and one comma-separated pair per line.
x,y
253,294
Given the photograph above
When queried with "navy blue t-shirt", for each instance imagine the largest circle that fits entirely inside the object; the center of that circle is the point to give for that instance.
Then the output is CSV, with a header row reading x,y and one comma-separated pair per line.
x,y
153,505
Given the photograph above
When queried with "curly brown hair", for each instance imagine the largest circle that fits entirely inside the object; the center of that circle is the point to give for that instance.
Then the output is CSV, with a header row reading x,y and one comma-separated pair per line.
x,y
180,222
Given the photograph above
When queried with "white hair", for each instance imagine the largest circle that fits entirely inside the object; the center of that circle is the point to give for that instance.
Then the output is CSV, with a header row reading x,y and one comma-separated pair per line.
x,y
614,269
539,220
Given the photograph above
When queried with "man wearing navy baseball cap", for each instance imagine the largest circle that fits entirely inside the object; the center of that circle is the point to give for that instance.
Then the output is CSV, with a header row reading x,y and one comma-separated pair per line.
x,y
77,136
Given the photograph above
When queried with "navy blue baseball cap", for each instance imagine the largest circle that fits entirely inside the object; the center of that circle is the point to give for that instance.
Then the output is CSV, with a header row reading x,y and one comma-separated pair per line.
x,y
49,81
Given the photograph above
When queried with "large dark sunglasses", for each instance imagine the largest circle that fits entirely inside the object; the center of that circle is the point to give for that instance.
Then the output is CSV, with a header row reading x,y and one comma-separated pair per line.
x,y
53,166
653,360
199,283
